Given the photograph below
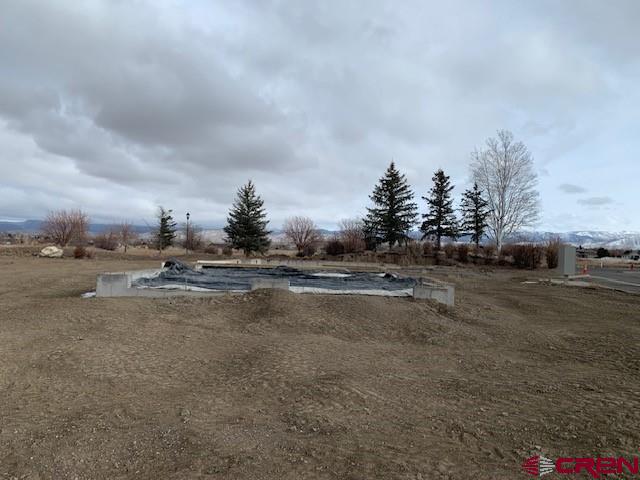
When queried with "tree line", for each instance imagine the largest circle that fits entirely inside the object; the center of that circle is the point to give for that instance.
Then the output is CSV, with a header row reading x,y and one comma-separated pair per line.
x,y
502,200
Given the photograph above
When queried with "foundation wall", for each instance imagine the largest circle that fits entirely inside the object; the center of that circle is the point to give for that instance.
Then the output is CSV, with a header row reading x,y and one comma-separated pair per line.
x,y
291,262
119,285
441,293
277,283
113,285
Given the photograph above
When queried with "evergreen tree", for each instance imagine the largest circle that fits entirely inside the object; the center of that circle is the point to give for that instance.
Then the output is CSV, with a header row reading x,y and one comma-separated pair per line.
x,y
247,225
474,213
394,213
166,229
440,221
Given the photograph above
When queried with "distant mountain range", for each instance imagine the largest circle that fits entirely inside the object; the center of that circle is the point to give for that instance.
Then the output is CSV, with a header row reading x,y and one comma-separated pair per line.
x,y
34,226
587,239
277,236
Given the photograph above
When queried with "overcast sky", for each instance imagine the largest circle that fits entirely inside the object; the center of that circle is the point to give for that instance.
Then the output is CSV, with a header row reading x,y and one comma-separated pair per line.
x,y
118,106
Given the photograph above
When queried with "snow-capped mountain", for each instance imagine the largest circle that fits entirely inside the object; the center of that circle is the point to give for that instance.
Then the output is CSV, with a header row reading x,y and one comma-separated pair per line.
x,y
587,239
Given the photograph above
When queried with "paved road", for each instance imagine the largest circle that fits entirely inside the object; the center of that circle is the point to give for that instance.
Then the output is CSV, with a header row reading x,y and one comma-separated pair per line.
x,y
618,278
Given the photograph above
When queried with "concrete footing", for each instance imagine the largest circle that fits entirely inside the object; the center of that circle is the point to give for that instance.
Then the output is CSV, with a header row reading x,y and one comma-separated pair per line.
x,y
200,264
441,293
290,262
270,283
113,285
120,285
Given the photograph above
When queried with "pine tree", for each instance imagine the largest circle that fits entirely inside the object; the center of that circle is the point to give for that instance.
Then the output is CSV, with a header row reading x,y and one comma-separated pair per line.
x,y
166,229
394,213
440,221
247,225
474,213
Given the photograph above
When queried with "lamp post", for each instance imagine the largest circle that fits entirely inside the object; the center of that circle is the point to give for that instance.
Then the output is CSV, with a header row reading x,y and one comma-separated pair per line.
x,y
186,242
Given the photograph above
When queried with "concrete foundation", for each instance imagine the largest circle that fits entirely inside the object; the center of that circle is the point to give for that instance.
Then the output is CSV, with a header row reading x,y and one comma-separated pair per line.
x,y
200,264
289,262
441,293
120,285
113,285
271,283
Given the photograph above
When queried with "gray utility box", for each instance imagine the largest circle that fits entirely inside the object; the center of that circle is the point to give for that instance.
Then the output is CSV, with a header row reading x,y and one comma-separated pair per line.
x,y
567,260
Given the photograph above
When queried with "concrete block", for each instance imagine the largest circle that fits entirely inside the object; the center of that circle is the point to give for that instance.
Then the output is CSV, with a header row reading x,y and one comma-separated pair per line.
x,y
441,293
113,285
567,260
278,283
201,264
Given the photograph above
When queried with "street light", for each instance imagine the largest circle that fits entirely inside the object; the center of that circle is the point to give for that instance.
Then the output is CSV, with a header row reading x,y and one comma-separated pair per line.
x,y
186,243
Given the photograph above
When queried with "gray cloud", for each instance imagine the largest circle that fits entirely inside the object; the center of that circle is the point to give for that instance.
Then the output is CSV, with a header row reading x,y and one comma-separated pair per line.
x,y
118,106
595,201
571,188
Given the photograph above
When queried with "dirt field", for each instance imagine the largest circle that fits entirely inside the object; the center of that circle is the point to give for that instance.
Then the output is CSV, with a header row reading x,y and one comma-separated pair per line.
x,y
273,385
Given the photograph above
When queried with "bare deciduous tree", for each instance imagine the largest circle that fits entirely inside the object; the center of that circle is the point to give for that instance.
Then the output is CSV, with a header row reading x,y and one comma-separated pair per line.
x,y
352,235
64,227
504,170
302,232
192,238
128,235
108,239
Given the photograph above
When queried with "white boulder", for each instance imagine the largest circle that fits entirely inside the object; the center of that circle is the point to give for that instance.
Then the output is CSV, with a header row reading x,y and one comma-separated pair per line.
x,y
51,252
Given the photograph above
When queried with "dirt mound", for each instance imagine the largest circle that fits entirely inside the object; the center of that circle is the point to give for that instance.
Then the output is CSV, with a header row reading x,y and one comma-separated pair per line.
x,y
347,317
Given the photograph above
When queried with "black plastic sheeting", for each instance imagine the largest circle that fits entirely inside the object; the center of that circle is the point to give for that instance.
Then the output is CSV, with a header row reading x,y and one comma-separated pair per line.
x,y
239,278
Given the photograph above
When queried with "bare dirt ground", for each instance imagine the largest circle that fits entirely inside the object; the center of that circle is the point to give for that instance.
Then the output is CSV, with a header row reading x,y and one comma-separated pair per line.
x,y
273,385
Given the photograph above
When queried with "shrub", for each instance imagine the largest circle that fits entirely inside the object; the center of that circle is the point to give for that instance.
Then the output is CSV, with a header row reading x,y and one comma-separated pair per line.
x,y
227,250
551,252
308,251
334,247
79,252
489,252
106,241
192,238
449,250
212,249
128,235
506,252
427,248
303,233
352,235
527,255
64,227
602,252
463,252
413,250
